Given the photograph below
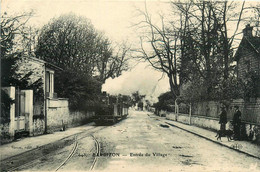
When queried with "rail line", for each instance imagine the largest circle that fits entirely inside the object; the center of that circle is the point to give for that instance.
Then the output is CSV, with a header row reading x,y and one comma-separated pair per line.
x,y
89,133
70,155
76,146
97,153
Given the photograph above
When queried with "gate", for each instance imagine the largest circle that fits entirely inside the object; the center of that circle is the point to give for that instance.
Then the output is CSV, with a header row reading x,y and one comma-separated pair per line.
x,y
21,121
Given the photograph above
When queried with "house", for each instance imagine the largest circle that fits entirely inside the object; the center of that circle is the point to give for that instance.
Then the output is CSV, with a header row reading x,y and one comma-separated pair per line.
x,y
40,70
37,108
248,58
28,113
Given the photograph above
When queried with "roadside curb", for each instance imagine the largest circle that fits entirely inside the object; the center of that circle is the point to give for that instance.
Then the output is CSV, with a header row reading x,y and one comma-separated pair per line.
x,y
43,146
54,143
12,162
219,143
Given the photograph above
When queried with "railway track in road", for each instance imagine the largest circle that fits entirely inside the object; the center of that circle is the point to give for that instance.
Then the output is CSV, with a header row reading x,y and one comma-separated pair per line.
x,y
70,155
97,145
30,158
97,153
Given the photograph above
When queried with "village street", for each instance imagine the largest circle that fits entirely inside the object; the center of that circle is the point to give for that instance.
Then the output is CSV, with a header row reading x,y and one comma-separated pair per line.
x,y
170,77
142,142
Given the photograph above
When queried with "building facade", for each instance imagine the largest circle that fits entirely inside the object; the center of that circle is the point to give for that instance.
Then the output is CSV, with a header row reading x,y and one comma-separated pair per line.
x,y
248,60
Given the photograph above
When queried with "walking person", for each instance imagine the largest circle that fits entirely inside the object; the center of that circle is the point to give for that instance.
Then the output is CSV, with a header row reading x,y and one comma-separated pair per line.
x,y
237,123
223,119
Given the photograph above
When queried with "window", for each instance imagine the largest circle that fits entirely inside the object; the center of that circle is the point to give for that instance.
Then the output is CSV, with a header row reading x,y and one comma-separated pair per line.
x,y
49,83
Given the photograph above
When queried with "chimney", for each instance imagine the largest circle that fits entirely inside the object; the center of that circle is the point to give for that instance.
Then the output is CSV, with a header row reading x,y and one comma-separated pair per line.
x,y
248,31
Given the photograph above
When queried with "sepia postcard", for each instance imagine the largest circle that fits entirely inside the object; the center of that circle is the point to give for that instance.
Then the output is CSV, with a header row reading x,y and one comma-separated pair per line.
x,y
130,85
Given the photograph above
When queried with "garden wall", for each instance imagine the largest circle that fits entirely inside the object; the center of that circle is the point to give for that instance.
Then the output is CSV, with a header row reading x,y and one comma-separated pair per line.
x,y
58,113
248,131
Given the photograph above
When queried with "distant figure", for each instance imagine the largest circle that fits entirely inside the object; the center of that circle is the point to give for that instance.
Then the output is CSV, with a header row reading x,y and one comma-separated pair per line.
x,y
223,119
237,123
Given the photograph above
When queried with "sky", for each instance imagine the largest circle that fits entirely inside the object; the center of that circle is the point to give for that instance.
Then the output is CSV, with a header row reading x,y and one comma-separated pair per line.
x,y
115,19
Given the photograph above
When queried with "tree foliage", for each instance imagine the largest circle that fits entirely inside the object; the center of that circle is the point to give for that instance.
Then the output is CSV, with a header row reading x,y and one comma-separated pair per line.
x,y
82,90
10,77
137,97
195,46
166,102
111,61
13,29
72,42
209,38
69,42
249,87
207,49
6,101
85,55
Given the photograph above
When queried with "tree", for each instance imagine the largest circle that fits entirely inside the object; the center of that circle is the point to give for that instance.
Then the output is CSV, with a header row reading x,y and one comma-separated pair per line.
x,y
250,85
82,90
10,77
72,42
159,46
69,42
137,97
6,101
207,46
195,45
126,99
254,20
166,101
110,64
85,55
12,28
148,104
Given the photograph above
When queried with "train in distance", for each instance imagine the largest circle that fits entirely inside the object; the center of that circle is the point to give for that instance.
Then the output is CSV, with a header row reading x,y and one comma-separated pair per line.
x,y
111,109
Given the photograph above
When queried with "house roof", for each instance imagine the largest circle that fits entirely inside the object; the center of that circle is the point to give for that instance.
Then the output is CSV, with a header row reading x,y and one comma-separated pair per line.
x,y
52,66
36,59
249,43
47,64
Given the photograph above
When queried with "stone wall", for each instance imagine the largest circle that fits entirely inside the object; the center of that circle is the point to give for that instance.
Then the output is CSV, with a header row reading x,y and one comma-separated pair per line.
x,y
250,110
209,108
58,114
38,126
248,131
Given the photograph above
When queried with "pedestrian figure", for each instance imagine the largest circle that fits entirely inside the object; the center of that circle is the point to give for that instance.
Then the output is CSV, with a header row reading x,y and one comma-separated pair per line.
x,y
237,123
223,119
